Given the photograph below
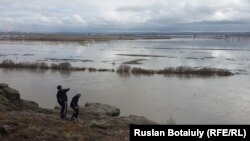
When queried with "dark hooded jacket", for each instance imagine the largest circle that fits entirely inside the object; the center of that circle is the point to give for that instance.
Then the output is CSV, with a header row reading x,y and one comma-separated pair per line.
x,y
62,96
74,102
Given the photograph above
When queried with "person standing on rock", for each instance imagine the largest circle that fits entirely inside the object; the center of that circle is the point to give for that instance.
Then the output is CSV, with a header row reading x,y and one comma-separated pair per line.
x,y
74,106
62,100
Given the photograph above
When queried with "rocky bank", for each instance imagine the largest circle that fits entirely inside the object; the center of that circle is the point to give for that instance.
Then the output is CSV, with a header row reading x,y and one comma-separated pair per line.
x,y
24,120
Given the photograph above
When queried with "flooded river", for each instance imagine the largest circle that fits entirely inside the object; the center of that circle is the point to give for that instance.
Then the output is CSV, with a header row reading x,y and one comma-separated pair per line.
x,y
187,100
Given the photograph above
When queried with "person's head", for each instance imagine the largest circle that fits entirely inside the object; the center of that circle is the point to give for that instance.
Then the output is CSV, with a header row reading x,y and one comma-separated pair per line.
x,y
59,87
78,95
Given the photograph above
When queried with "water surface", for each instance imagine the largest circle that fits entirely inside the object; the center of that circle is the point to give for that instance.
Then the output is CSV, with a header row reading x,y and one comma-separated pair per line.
x,y
188,100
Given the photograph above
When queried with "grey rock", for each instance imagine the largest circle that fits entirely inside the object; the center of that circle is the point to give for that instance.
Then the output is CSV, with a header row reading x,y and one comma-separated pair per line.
x,y
5,129
101,124
102,109
2,85
12,94
33,106
27,103
6,104
10,100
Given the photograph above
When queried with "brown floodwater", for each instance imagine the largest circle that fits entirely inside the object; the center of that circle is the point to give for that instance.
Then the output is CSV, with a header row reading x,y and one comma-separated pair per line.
x,y
187,100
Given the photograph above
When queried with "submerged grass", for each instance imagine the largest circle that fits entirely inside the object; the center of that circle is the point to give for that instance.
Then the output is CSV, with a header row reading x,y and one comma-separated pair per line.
x,y
140,55
182,70
61,66
11,64
137,71
92,69
106,70
205,71
44,66
122,69
135,62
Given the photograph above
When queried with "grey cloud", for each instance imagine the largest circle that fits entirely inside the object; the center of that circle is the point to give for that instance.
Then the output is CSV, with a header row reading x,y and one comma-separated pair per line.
x,y
133,9
123,15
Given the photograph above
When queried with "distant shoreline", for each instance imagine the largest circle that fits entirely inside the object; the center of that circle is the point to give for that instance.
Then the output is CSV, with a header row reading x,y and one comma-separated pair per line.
x,y
90,37
74,37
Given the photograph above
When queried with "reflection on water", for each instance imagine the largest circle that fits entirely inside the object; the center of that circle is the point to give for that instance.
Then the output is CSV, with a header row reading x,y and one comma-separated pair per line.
x,y
172,53
186,99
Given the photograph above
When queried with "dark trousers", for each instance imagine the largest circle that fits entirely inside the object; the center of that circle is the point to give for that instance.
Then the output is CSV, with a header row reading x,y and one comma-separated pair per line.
x,y
75,113
63,109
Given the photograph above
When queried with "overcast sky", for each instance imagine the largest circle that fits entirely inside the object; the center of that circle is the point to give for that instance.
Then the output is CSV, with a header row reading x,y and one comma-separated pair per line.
x,y
124,15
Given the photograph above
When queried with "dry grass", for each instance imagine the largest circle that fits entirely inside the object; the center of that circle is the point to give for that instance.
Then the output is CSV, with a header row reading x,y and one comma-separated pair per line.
x,y
182,70
54,66
61,66
79,68
92,69
123,69
206,71
11,64
39,65
43,65
7,63
106,70
65,65
41,127
137,71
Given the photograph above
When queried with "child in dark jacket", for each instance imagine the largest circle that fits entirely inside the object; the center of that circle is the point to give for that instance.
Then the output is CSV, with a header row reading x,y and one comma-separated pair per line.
x,y
74,106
